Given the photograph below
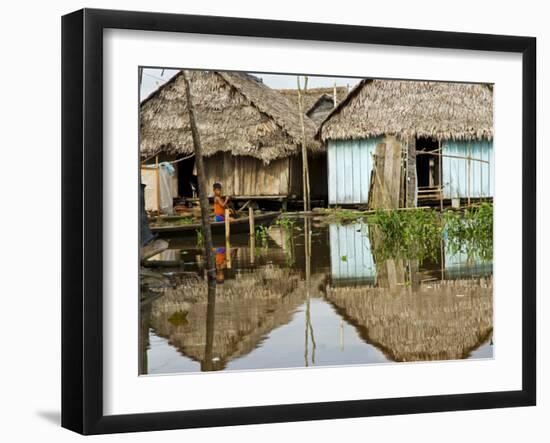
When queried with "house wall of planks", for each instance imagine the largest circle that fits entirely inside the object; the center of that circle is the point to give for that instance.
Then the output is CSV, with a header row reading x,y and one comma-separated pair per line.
x,y
463,178
350,164
247,176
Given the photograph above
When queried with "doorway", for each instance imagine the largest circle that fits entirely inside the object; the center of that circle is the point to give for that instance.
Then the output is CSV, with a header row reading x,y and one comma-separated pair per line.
x,y
427,163
187,180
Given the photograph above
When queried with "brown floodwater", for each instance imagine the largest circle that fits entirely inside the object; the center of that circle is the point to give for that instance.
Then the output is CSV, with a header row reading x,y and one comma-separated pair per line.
x,y
285,299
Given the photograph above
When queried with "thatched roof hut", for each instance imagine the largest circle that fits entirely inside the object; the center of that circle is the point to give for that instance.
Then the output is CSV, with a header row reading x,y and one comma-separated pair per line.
x,y
251,136
444,320
439,110
404,117
235,113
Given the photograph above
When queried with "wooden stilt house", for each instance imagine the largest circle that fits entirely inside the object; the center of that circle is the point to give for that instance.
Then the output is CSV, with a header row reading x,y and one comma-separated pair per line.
x,y
251,136
439,133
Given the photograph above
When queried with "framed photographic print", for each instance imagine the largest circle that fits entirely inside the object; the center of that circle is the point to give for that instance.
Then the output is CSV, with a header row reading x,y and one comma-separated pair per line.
x,y
270,221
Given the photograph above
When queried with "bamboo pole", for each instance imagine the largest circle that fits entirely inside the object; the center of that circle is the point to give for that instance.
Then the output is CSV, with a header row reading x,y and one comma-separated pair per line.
x,y
469,171
305,167
157,183
203,193
440,178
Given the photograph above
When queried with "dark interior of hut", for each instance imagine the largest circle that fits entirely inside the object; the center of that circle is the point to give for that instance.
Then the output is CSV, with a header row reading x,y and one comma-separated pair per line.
x,y
427,162
187,182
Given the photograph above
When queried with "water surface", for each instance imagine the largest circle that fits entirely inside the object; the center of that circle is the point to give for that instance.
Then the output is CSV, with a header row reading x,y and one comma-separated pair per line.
x,y
308,294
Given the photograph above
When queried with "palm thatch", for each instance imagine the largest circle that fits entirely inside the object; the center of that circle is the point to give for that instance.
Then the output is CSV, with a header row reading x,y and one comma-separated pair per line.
x,y
443,320
315,98
440,110
235,113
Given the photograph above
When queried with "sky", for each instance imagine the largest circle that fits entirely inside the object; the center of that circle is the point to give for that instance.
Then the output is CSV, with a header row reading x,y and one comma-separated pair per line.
x,y
154,78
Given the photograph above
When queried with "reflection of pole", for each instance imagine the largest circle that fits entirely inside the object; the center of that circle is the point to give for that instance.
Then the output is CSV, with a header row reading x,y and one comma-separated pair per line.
x,y
341,330
144,322
207,363
309,326
227,239
252,244
442,258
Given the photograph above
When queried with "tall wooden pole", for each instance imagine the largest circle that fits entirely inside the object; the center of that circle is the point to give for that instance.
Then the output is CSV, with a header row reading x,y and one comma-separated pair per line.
x,y
203,193
157,183
440,159
305,167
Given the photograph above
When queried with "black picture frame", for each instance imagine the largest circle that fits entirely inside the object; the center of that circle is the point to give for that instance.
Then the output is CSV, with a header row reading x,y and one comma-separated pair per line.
x,y
82,218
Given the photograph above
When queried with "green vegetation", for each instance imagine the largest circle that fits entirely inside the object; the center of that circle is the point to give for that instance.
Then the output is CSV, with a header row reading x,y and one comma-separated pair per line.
x,y
173,221
406,234
262,235
417,234
342,216
200,238
471,233
178,318
285,223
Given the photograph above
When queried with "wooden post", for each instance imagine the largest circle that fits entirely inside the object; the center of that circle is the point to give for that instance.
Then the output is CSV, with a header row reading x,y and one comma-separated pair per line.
x,y
305,167
227,238
157,184
251,221
439,154
469,169
203,193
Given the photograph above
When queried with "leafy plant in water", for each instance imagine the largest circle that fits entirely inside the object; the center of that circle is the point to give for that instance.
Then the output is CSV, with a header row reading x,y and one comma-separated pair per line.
x,y
471,233
407,234
285,223
200,238
262,235
417,234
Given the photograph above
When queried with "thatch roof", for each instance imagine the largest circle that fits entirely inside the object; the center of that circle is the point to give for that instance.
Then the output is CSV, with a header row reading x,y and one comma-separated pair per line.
x,y
440,110
234,111
443,320
313,96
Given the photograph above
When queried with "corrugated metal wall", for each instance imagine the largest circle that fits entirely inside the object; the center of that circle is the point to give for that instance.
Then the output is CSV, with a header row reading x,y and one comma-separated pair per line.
x,y
350,252
455,170
349,168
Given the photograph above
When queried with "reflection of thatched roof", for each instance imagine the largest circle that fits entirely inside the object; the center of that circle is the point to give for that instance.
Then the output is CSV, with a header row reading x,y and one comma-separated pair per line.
x,y
245,311
444,320
234,111
440,110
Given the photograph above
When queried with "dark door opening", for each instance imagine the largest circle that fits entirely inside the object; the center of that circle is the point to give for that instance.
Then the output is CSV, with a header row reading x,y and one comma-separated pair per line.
x,y
427,162
187,181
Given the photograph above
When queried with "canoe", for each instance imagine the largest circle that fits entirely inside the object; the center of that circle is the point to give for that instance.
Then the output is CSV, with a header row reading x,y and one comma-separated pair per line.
x,y
238,226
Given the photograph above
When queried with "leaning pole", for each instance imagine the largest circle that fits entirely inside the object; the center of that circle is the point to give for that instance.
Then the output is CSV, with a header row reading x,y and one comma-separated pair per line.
x,y
203,193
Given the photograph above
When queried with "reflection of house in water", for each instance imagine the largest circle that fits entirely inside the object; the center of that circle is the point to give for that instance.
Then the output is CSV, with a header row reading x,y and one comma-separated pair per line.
x,y
460,265
350,253
352,260
440,321
242,313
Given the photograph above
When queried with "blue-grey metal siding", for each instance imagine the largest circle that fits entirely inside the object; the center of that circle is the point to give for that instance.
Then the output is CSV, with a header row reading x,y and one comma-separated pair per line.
x,y
349,169
455,170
